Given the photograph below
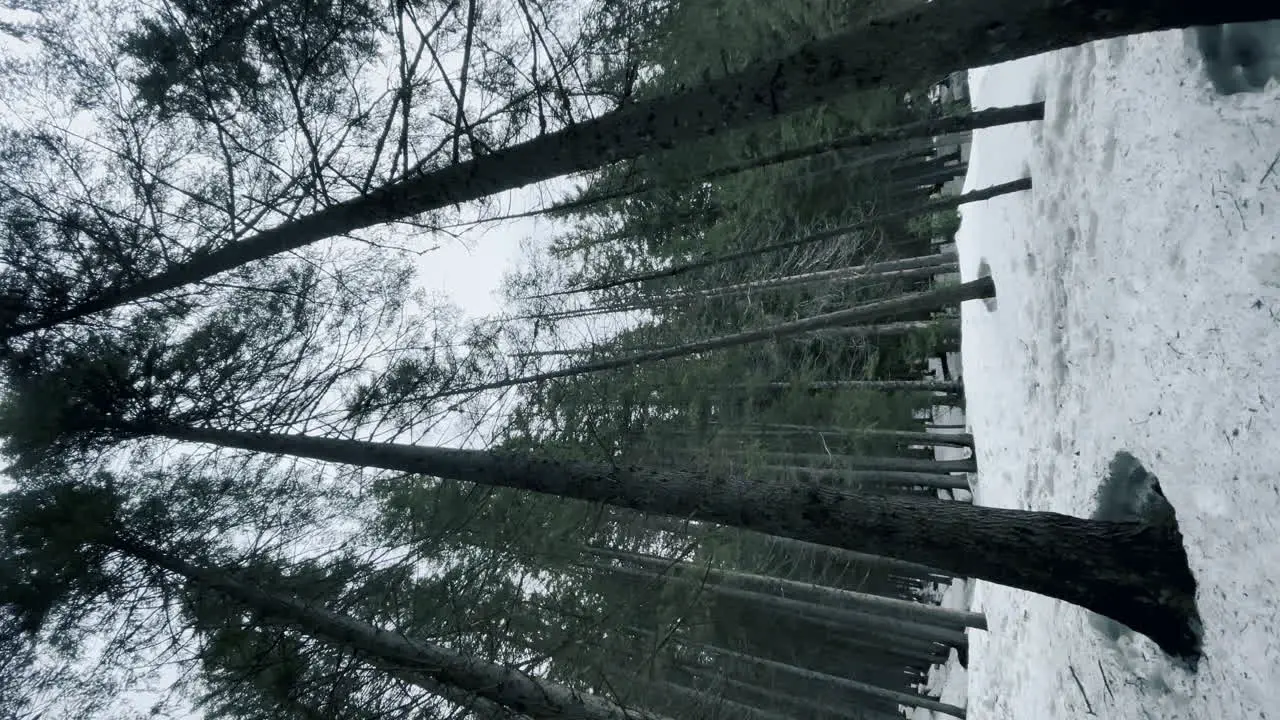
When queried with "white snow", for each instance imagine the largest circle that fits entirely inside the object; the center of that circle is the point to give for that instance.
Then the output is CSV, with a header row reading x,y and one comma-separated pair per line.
x,y
1138,308
949,682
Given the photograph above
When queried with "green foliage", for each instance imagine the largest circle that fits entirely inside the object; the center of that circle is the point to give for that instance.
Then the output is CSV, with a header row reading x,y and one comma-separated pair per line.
x,y
51,552
203,55
69,409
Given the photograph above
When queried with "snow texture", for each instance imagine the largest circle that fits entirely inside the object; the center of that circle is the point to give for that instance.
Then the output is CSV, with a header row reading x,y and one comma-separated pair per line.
x,y
1138,309
948,683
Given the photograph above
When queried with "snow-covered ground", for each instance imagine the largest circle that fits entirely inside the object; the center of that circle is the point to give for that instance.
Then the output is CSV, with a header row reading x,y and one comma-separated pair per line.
x,y
1138,308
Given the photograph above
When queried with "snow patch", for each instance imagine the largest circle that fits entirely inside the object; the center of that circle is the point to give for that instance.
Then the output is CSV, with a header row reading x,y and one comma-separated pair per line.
x,y
949,682
1139,309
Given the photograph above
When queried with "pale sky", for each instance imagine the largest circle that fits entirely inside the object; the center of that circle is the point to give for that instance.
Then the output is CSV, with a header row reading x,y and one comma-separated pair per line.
x,y
469,270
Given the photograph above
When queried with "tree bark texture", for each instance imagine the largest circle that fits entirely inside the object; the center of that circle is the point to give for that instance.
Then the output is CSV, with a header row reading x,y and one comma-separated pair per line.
x,y
1134,573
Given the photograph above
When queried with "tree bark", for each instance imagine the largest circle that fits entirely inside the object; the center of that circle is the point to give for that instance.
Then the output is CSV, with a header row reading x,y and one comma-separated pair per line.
x,y
920,129
844,278
907,436
888,563
810,592
505,686
951,386
843,683
926,266
907,210
868,312
935,481
871,463
1134,573
885,624
944,327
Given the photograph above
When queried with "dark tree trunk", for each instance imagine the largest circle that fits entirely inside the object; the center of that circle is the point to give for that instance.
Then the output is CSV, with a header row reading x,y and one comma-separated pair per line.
x,y
870,312
911,207
867,689
850,618
809,592
906,436
920,129
868,478
870,462
1134,573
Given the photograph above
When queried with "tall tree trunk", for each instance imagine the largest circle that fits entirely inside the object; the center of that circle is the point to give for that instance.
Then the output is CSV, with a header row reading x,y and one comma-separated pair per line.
x,y
850,618
928,177
952,386
863,478
869,312
868,462
505,686
810,592
906,436
904,51
946,259
919,129
943,327
1135,573
921,267
905,210
899,650
845,280
854,686
876,637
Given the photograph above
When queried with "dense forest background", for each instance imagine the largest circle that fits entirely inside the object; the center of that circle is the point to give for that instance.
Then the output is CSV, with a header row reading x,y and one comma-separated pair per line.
x,y
704,314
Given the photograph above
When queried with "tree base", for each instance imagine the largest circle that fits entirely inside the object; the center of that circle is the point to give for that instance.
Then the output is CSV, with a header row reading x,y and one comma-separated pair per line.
x,y
984,270
1132,494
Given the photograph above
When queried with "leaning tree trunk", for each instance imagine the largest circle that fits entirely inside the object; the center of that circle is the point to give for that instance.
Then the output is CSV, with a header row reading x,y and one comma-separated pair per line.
x,y
809,592
1135,573
868,312
505,686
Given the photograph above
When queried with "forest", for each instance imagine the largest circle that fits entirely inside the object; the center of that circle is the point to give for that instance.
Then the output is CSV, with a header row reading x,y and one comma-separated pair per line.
x,y
254,470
